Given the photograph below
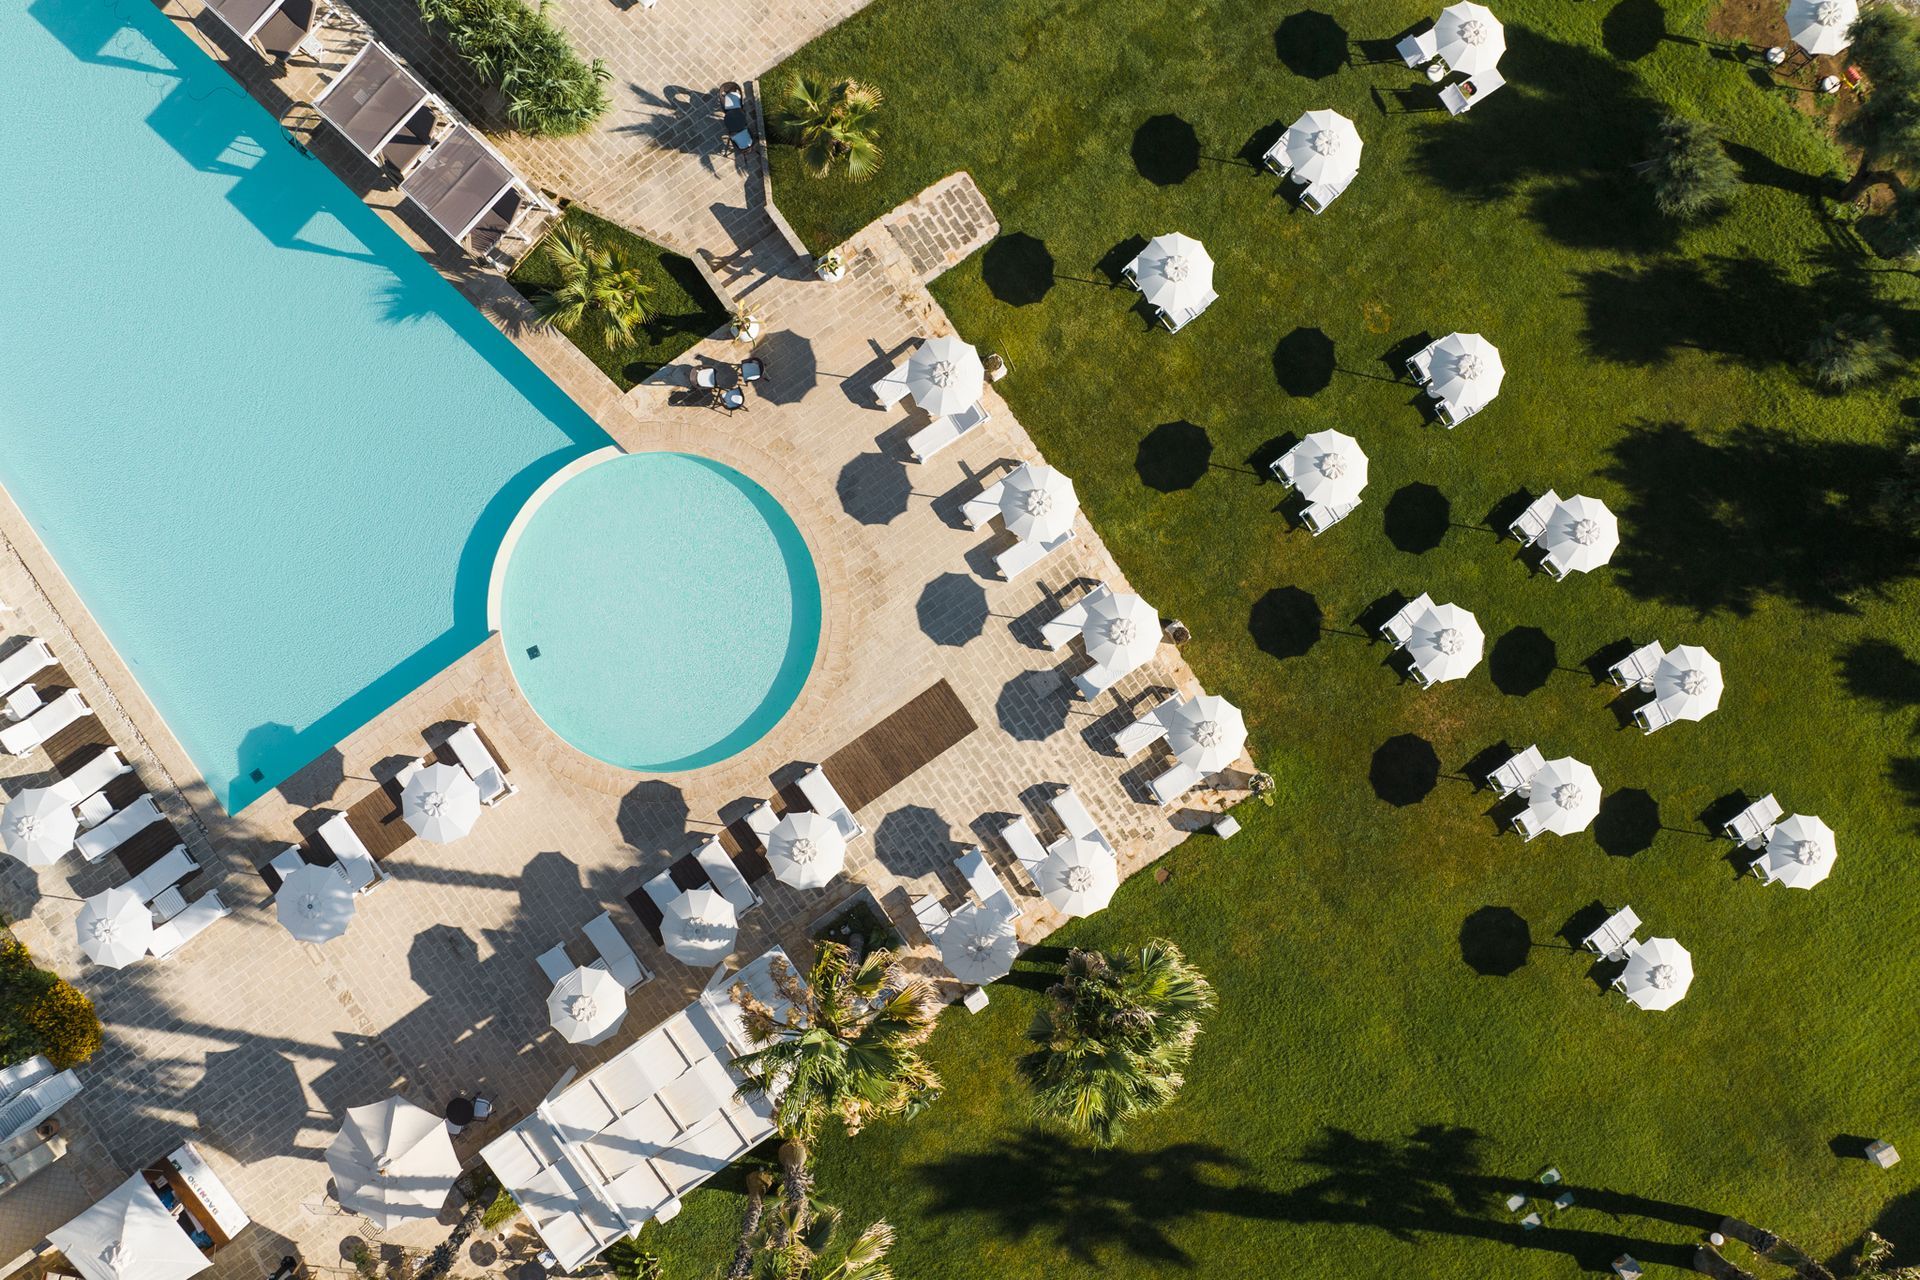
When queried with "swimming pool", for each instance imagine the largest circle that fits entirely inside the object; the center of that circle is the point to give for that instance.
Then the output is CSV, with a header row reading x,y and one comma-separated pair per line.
x,y
660,611
272,449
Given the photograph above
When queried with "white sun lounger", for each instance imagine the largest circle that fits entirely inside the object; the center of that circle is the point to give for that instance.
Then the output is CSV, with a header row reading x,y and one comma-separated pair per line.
x,y
1462,98
891,388
980,510
616,957
1753,825
1399,628
1276,158
726,877
1523,823
1026,846
1652,717
1319,517
1025,554
826,802
1143,732
1179,778
985,882
1420,364
1070,621
176,866
761,820
1450,414
186,925
69,707
663,890
1612,937
1319,195
363,873
1096,680
1516,775
1551,563
24,663
115,831
1283,466
1068,807
1419,50
944,430
555,962
1533,521
472,755
91,776
931,914
1176,322
1637,668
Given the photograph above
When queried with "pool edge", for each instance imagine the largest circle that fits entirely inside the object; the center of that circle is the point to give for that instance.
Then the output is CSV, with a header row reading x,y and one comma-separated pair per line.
x,y
497,578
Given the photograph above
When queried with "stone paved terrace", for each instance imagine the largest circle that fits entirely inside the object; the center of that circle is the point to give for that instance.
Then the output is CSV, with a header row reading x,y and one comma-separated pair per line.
x,y
253,1043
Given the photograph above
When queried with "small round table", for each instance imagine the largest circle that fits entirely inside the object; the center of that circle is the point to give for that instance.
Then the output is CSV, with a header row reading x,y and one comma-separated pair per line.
x,y
1436,71
460,1111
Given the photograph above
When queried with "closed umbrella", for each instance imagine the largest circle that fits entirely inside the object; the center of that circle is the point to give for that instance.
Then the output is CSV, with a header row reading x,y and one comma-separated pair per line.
x,y
1206,732
1470,38
315,903
1329,467
1121,632
1822,27
1564,797
114,928
1800,852
1037,503
1658,974
1323,146
699,927
945,376
38,826
1581,534
586,1005
392,1162
1446,643
978,943
1687,683
806,850
1466,371
1174,272
441,803
1078,876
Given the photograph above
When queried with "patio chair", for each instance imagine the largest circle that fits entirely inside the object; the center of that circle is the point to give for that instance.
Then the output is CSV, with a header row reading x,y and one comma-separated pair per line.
x,y
1637,668
1515,777
1419,50
1143,732
1096,680
1753,825
1025,554
752,369
944,430
1317,196
1178,779
1176,322
1551,563
733,112
1463,97
66,710
1399,628
983,880
186,925
1069,622
117,830
726,877
662,889
1420,364
820,795
1276,158
931,913
1612,938
555,962
1027,850
343,842
173,867
1451,415
471,754
24,663
616,957
1652,718
1533,521
92,776
705,376
761,820
1524,823
891,387
1319,517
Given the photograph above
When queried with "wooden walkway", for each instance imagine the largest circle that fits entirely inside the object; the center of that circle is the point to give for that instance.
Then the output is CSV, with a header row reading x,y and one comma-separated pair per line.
x,y
898,747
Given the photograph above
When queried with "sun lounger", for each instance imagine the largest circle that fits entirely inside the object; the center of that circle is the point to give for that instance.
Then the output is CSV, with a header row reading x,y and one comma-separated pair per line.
x,y
1516,775
825,801
1096,680
1419,50
1143,732
117,830
188,924
1551,563
290,30
91,776
410,145
985,882
1523,823
1463,97
1450,414
1072,812
1131,273
1070,621
1025,554
726,877
340,839
931,913
1283,466
1319,195
69,707
1652,717
24,663
1176,322
662,889
555,962
1179,778
891,388
980,510
471,754
1026,846
1612,937
1533,521
1399,628
761,820
616,957
1320,517
1637,668
176,866
1420,364
944,430
1275,158
1753,825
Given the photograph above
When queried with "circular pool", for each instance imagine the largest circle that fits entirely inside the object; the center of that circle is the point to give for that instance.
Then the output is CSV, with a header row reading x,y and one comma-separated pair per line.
x,y
660,611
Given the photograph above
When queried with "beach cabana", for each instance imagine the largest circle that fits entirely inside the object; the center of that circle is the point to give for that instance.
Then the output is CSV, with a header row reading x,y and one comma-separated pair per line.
x,y
469,192
129,1234
379,107
276,29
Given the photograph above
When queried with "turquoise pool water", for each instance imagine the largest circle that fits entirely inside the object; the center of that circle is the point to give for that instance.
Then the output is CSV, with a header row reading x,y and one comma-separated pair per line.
x,y
273,451
660,611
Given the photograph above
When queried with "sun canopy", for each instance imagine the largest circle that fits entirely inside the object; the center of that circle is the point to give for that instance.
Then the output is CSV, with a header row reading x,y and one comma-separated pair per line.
x,y
1687,683
1581,534
1822,27
39,826
1037,503
1078,876
1467,371
1323,146
1121,631
441,802
114,928
1174,272
1446,643
1800,852
129,1235
1658,974
315,903
945,376
392,1162
699,927
587,1005
806,850
1329,467
1206,732
978,943
1564,796
372,100
458,182
1470,38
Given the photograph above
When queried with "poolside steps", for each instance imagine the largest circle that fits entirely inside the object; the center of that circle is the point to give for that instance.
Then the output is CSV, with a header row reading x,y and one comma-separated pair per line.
x,y
899,746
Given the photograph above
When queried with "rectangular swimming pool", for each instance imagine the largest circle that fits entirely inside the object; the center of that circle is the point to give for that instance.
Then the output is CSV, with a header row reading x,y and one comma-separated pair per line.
x,y
271,448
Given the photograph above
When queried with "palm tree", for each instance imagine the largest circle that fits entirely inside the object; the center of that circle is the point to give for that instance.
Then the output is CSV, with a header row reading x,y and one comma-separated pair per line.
x,y
832,123
1850,350
1886,126
595,280
1690,172
1116,1039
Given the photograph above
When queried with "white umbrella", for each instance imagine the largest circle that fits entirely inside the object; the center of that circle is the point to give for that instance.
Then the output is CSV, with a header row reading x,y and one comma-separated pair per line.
x,y
1800,852
1565,796
1121,632
945,376
1446,643
1206,732
114,928
1687,683
1078,877
129,1235
586,1005
38,826
1037,503
1658,974
315,903
441,803
1581,534
1471,39
392,1162
1822,26
699,927
978,943
1329,467
806,850
1323,146
1174,272
1466,371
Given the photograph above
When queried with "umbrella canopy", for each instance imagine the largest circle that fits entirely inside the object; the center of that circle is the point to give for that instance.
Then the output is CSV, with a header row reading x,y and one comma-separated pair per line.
x,y
38,826
1581,534
315,903
1206,732
1687,683
1565,796
978,943
441,803
114,928
1121,632
586,1005
1174,272
1037,503
1822,26
1329,467
1446,643
392,1162
129,1235
1078,877
1323,146
699,927
945,376
806,850
1471,39
1466,371
1658,974
1800,852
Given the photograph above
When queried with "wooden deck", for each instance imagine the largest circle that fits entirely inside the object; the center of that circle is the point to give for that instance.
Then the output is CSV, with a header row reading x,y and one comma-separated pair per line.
x,y
898,747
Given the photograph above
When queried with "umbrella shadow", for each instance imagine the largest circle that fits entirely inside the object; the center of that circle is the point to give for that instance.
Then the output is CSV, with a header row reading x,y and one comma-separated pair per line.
x,y
1173,456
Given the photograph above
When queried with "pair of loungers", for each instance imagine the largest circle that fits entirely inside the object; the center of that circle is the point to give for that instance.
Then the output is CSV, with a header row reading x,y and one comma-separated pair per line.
x,y
278,30
611,953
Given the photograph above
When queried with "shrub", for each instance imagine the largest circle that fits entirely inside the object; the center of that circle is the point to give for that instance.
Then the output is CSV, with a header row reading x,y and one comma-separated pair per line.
x,y
550,91
1850,350
831,121
42,1013
1690,172
503,1209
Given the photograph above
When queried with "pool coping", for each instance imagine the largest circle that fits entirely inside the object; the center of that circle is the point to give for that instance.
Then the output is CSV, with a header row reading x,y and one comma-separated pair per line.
x,y
497,580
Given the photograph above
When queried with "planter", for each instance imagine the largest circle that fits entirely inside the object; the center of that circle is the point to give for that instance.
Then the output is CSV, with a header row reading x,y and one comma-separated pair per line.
x,y
747,330
830,268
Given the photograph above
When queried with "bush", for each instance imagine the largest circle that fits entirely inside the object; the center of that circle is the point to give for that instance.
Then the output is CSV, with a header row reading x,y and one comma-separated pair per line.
x,y
549,90
502,1210
42,1013
1690,172
1851,350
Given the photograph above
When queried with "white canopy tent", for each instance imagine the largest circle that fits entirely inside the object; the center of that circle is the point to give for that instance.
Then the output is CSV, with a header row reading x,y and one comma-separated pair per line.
x,y
1174,272
1801,851
1470,38
1657,974
806,850
441,803
1078,876
1581,534
1822,27
392,1162
945,376
114,928
129,1235
39,826
1329,467
1037,503
1467,372
978,942
1323,146
1564,797
1687,683
699,927
1121,631
587,1005
1446,643
1207,732
315,903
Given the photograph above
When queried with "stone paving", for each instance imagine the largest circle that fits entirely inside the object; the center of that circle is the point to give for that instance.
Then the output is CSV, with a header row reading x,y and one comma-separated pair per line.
x,y
254,1044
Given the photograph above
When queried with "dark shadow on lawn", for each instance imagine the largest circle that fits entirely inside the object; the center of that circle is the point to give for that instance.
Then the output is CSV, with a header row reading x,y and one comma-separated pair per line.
x,y
1166,150
1405,770
1417,517
1494,941
1903,775
1879,671
1285,622
1253,153
1521,660
1627,822
1017,269
1115,260
1303,362
1632,29
1173,456
1310,44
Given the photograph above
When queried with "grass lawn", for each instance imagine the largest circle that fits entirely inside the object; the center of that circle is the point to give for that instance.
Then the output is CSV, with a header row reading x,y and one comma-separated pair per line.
x,y
1373,1086
682,308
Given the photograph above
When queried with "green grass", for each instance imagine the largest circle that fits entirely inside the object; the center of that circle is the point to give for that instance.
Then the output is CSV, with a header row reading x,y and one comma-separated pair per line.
x,y
682,309
1323,1129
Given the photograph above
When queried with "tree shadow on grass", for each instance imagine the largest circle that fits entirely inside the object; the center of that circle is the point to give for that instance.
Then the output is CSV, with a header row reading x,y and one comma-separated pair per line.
x,y
1744,310
1522,660
1310,44
1881,672
1405,770
1166,150
1173,456
1286,622
1416,518
1303,362
1017,269
1633,29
